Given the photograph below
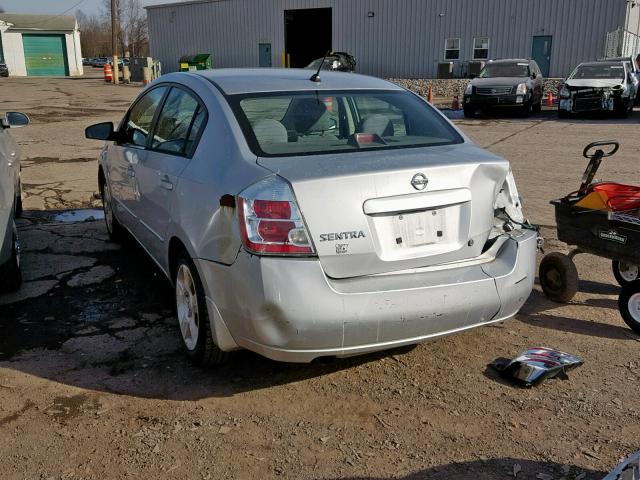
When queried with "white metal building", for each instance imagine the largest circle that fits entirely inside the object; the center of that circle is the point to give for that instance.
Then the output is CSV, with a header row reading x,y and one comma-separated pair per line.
x,y
40,45
395,38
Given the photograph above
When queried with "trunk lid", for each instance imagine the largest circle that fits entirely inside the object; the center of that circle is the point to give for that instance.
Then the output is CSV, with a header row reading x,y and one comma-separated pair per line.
x,y
365,217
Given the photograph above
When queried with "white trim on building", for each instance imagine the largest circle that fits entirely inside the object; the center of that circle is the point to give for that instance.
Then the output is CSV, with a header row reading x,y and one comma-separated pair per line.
x,y
11,41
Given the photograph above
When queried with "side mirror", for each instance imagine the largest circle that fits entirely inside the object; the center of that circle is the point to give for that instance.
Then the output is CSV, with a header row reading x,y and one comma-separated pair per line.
x,y
100,131
14,120
534,75
472,76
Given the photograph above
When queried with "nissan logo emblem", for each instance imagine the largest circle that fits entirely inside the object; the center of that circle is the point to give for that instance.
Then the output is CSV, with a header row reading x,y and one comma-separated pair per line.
x,y
419,181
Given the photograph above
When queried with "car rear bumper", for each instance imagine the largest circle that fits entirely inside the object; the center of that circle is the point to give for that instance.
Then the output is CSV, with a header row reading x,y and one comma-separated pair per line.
x,y
287,309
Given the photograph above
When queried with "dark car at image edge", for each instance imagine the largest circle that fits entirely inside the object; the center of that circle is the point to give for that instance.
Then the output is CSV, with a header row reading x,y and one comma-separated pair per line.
x,y
505,83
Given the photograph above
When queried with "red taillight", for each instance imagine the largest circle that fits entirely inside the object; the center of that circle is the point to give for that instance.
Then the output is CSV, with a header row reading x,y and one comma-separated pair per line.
x,y
275,231
272,209
272,226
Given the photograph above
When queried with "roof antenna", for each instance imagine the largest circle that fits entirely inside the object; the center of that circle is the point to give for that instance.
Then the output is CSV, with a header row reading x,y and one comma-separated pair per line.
x,y
316,76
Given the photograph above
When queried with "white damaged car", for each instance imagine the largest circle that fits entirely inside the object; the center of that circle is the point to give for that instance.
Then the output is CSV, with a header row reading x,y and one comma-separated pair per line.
x,y
598,87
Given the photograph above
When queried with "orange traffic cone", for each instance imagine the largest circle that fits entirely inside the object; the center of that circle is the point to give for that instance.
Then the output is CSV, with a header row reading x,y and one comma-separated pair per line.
x,y
430,94
455,104
550,99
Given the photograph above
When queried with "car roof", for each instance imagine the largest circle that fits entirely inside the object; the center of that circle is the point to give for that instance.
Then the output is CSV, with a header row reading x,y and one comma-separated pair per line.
x,y
510,60
251,80
602,63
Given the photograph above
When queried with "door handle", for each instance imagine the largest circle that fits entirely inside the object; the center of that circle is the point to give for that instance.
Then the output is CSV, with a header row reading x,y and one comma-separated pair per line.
x,y
166,183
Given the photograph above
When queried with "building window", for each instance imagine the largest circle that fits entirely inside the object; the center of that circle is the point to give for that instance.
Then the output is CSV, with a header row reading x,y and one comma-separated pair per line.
x,y
481,48
452,49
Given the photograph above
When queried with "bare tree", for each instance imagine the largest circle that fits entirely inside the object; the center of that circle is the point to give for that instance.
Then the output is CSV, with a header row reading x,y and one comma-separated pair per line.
x,y
94,35
133,34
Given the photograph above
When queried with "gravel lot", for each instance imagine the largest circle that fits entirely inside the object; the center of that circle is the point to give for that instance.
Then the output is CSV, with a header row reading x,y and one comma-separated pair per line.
x,y
93,384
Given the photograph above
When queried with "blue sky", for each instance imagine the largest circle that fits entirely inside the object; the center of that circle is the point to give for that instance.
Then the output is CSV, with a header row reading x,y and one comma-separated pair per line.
x,y
56,7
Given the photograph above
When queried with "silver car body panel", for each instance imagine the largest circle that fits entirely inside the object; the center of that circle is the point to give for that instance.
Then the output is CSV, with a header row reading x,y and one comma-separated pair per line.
x,y
9,180
271,305
371,298
369,188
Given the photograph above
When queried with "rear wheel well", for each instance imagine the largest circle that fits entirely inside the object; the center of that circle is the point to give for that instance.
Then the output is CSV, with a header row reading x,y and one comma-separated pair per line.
x,y
175,248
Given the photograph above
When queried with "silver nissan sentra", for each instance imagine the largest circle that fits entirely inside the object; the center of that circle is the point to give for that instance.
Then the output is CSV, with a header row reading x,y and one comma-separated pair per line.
x,y
306,217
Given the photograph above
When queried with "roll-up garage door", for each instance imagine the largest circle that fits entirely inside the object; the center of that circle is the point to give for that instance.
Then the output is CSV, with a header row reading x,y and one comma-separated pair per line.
x,y
45,55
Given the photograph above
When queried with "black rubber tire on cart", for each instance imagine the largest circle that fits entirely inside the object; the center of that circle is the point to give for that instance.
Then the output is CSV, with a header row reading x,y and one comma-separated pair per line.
x,y
558,277
629,305
624,272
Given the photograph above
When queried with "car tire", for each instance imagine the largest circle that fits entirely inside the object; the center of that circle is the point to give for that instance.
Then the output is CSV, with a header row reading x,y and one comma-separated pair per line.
x,y
624,272
537,107
114,229
527,109
469,112
558,277
192,315
18,208
10,275
629,305
623,109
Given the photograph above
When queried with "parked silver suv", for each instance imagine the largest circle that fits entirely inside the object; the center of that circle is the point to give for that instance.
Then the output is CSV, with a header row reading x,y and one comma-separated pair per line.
x,y
300,218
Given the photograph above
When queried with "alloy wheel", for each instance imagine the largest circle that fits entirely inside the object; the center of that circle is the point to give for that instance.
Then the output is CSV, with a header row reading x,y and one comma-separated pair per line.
x,y
187,307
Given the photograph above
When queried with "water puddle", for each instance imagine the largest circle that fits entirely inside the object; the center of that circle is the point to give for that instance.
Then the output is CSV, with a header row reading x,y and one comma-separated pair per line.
x,y
79,215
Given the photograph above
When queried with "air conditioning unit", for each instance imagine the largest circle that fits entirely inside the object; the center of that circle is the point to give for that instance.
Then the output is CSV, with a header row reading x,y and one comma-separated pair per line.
x,y
445,70
475,67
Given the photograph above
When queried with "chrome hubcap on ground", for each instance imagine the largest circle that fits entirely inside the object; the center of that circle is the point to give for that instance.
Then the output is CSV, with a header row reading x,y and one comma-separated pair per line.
x,y
628,272
634,307
187,307
108,209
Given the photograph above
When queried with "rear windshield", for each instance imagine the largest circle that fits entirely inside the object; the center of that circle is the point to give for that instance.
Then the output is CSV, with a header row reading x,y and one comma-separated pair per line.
x,y
493,70
308,123
598,71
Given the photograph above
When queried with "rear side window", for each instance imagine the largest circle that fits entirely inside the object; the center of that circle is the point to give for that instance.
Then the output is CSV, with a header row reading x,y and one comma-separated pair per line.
x,y
178,124
138,125
307,123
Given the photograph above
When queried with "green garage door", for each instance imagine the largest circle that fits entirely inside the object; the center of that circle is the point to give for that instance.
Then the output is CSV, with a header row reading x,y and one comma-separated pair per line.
x,y
45,55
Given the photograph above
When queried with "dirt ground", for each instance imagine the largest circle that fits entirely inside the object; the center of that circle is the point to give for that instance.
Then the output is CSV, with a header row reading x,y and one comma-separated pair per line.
x,y
93,384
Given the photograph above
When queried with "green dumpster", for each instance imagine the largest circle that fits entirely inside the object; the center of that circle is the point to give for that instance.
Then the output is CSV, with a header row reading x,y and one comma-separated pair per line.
x,y
201,61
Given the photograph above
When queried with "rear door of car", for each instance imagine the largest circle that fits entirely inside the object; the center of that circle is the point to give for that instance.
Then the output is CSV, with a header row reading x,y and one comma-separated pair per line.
x,y
175,136
129,151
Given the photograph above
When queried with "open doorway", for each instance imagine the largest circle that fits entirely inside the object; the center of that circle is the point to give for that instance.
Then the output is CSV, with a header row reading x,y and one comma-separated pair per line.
x,y
307,34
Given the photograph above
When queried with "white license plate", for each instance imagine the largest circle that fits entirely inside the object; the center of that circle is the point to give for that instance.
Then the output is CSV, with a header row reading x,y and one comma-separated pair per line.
x,y
418,228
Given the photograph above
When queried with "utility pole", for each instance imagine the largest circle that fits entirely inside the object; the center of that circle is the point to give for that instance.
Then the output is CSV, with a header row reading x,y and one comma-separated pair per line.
x,y
114,40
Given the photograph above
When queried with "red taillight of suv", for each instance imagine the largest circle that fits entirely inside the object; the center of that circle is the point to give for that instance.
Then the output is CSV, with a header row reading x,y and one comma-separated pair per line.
x,y
270,220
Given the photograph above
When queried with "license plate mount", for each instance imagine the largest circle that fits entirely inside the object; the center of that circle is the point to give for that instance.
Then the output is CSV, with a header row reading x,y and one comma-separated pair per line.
x,y
415,229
